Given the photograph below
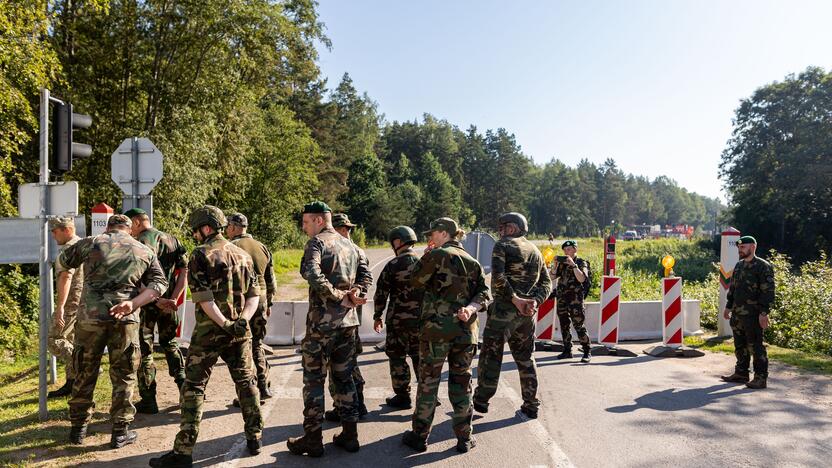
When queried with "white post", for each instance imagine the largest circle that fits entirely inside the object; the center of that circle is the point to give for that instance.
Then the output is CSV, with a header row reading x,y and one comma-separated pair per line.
x,y
728,258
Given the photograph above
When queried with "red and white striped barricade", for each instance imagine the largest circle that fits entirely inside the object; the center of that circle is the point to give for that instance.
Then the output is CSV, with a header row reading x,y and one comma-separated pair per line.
x,y
609,318
672,316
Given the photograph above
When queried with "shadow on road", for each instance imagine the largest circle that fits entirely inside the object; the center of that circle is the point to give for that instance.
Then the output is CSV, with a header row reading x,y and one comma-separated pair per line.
x,y
673,400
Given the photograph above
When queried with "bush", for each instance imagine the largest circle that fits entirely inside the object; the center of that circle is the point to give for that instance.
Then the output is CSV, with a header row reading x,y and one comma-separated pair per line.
x,y
19,308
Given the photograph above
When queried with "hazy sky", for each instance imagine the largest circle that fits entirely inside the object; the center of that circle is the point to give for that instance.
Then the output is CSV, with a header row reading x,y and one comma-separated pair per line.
x,y
652,84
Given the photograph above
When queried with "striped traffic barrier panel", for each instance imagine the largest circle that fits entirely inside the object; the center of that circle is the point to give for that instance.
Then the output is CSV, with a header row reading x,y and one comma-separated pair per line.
x,y
672,316
546,326
609,318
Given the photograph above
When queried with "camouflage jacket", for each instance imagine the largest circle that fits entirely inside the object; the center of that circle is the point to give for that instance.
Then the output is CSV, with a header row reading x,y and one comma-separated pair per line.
x,y
76,282
405,300
331,265
517,268
263,266
171,253
569,289
451,279
752,287
364,277
116,267
221,272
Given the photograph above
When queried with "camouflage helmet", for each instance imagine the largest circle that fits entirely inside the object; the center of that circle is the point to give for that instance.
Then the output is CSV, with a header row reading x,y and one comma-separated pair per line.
x,y
207,215
515,218
402,233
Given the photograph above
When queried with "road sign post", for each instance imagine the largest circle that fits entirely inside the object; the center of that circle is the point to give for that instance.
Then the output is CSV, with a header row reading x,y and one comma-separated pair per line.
x,y
136,167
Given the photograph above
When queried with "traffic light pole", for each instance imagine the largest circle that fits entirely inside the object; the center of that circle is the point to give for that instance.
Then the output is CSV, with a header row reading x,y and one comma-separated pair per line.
x,y
45,268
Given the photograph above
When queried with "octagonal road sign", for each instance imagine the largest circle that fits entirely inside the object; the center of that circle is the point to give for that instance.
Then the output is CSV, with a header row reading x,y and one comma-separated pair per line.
x,y
136,166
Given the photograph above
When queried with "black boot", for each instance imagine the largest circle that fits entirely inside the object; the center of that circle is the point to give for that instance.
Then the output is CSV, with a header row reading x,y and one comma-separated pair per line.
x,y
348,438
122,436
566,354
480,407
412,440
332,415
172,460
736,377
587,355
147,406
265,391
77,434
758,383
530,413
253,446
312,443
400,400
464,445
66,390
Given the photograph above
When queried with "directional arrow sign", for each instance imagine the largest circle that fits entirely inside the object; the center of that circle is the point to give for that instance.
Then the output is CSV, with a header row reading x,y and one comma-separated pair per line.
x,y
136,166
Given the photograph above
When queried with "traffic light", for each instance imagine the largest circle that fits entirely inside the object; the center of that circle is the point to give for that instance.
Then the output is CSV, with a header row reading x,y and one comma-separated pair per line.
x,y
63,148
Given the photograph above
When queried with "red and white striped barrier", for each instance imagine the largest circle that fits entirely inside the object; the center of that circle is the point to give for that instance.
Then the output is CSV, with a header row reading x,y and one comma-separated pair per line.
x,y
672,316
609,317
545,328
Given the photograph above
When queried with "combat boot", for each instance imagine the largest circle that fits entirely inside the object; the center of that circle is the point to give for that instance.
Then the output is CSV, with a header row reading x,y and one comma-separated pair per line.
x,y
736,377
348,438
530,413
172,460
587,355
566,354
147,406
464,445
412,440
332,415
758,383
312,443
480,407
253,446
77,434
400,400
265,391
66,390
122,436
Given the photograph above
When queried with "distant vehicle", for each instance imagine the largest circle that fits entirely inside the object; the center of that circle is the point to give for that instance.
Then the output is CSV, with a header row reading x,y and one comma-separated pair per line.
x,y
631,235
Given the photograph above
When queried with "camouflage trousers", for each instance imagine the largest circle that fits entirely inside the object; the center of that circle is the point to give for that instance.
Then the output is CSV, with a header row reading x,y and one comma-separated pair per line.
x,y
167,322
400,343
258,333
122,341
519,332
748,341
61,342
334,350
356,377
432,356
203,353
572,314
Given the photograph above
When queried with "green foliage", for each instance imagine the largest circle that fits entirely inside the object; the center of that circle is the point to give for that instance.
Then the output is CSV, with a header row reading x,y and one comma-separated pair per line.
x,y
359,236
18,311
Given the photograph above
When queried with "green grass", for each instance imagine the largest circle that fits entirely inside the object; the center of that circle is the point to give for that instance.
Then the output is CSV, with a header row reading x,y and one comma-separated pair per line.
x,y
810,362
286,262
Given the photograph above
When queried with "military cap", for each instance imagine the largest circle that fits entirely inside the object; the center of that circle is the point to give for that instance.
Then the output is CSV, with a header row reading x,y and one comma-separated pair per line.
x,y
207,215
746,240
61,222
238,218
442,224
134,212
341,220
316,207
569,243
118,219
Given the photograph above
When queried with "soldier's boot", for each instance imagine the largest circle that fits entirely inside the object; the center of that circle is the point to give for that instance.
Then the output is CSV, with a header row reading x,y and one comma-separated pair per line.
x,y
312,443
362,408
265,390
253,446
66,390
180,382
587,354
236,402
400,400
758,383
412,440
735,377
480,407
464,445
172,460
77,434
332,415
530,413
348,438
122,436
566,354
147,406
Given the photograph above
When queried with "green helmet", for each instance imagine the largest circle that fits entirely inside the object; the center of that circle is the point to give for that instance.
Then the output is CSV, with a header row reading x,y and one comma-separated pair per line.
x,y
402,233
515,218
207,215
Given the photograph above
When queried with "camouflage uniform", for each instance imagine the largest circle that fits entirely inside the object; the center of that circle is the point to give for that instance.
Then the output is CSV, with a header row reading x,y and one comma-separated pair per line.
x,y
61,340
570,308
331,265
402,320
750,294
517,268
172,256
451,279
221,272
262,259
115,266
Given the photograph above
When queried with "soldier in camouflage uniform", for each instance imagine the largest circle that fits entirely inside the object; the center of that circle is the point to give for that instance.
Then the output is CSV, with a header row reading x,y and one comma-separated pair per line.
x,y
403,312
331,266
162,314
341,223
226,294
262,258
750,296
520,283
569,277
120,276
454,291
69,286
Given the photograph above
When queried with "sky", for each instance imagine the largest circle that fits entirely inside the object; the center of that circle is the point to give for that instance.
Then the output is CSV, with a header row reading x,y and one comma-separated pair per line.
x,y
651,84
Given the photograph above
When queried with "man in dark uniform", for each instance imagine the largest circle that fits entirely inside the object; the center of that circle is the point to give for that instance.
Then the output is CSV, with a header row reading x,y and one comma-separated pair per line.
x,y
569,276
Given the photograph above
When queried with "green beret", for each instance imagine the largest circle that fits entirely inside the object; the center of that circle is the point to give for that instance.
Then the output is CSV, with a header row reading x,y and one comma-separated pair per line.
x,y
118,219
746,240
569,243
316,207
442,224
341,220
132,212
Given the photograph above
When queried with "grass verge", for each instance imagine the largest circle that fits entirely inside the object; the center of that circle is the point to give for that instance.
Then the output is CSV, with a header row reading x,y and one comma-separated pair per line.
x,y
810,362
